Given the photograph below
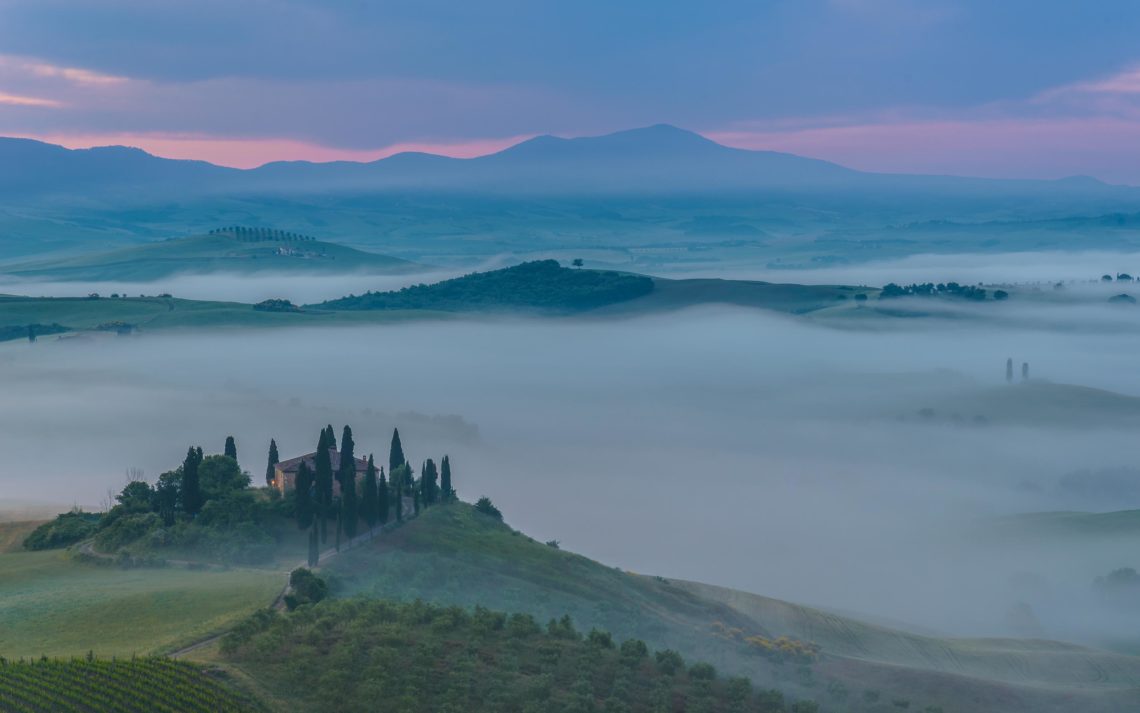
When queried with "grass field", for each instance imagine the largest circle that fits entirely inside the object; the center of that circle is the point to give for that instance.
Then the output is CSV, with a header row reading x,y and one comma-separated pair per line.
x,y
51,605
12,534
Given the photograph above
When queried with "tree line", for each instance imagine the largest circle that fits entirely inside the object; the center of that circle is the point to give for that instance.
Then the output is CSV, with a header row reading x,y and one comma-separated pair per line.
x,y
379,497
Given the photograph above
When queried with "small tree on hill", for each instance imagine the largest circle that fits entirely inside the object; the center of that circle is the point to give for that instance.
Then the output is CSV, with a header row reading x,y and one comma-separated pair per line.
x,y
274,459
1025,371
191,491
303,492
370,496
231,447
396,452
1009,370
445,479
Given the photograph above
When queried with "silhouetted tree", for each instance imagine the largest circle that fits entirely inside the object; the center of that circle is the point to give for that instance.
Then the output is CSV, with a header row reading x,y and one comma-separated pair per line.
x,y
347,478
445,479
398,492
369,495
231,447
382,498
303,493
330,435
1009,370
395,453
322,463
429,483
273,460
191,490
1025,371
31,332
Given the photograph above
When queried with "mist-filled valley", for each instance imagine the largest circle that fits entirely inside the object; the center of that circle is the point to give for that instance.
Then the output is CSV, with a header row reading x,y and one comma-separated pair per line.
x,y
868,467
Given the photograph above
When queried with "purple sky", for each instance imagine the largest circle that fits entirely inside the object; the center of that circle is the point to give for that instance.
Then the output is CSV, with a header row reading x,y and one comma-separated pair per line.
x,y
1042,88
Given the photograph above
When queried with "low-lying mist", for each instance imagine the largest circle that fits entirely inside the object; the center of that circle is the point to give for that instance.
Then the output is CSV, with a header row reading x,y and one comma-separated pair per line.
x,y
854,469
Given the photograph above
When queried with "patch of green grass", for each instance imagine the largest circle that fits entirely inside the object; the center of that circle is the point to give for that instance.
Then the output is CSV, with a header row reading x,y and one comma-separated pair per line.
x,y
52,605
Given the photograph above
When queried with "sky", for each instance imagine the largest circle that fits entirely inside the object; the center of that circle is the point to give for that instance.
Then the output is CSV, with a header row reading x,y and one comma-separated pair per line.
x,y
1021,88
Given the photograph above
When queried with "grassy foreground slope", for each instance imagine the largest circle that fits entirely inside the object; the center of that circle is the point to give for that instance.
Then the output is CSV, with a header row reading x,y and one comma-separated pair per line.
x,y
223,251
455,556
52,605
102,686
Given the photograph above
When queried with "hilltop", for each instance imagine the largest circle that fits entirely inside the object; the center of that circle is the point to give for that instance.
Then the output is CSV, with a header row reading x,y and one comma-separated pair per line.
x,y
234,249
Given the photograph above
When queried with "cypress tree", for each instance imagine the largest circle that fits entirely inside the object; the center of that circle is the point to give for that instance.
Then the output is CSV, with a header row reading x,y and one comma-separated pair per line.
x,y
304,496
231,447
191,490
398,491
1009,370
347,478
273,460
382,498
324,480
330,436
314,547
416,501
339,522
445,479
429,485
396,453
369,506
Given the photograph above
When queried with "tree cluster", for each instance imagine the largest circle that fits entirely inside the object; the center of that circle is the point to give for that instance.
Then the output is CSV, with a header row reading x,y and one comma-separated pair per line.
x,y
254,235
929,289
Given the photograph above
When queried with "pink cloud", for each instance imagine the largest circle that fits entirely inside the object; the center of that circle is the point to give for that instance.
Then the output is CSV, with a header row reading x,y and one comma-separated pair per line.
x,y
249,153
21,100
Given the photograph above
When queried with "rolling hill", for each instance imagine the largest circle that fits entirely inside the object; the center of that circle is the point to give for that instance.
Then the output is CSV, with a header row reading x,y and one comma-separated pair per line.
x,y
455,556
243,250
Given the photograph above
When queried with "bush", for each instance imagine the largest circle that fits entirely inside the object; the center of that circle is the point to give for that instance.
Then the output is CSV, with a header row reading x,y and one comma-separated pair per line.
x,y
64,530
703,672
308,588
669,661
485,506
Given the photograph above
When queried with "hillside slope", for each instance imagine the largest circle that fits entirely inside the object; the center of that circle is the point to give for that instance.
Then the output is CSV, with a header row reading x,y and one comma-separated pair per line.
x,y
272,251
455,556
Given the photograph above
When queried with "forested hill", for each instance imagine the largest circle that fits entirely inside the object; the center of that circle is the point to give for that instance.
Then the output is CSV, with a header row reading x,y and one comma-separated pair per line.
x,y
539,286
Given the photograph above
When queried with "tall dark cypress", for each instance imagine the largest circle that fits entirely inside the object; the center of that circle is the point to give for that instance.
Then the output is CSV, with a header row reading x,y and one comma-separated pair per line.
x,y
330,436
303,488
274,459
324,480
396,453
347,478
369,506
429,483
382,498
398,492
191,490
445,479
231,447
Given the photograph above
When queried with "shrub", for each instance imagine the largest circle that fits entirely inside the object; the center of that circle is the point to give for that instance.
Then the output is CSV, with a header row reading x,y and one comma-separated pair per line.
x,y
64,530
669,661
485,506
703,672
